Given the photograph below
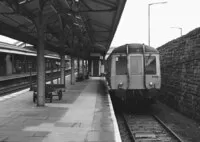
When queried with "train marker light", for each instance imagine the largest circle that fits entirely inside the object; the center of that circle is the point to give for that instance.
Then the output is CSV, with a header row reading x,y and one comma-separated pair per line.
x,y
120,85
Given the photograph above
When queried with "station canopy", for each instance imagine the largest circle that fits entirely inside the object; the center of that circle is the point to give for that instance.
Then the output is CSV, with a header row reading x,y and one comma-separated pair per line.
x,y
82,26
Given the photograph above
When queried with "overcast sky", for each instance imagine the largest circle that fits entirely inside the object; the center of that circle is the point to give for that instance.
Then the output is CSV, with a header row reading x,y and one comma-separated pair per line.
x,y
133,26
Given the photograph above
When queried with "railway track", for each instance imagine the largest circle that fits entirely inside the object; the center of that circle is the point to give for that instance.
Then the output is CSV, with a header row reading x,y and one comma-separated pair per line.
x,y
143,128
20,86
13,88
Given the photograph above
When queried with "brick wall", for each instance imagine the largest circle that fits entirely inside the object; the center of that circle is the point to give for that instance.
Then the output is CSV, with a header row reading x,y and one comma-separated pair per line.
x,y
180,70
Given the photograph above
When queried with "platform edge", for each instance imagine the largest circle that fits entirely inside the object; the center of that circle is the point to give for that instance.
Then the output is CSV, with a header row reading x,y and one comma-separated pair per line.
x,y
116,128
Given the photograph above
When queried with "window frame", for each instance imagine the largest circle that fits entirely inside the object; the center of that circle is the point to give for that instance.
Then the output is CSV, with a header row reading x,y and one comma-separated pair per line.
x,y
146,56
117,56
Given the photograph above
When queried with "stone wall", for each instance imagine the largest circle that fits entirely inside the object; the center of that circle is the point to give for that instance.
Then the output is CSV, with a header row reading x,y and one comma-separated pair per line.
x,y
180,71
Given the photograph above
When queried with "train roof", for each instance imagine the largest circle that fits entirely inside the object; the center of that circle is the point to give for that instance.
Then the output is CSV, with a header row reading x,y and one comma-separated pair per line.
x,y
29,51
134,48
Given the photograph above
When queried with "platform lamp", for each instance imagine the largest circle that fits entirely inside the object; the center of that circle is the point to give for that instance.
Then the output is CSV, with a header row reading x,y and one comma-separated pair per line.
x,y
149,18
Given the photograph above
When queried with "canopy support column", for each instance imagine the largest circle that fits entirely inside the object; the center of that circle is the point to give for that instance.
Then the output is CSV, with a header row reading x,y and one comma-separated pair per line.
x,y
86,68
40,25
62,70
41,66
52,74
78,63
90,67
72,71
83,68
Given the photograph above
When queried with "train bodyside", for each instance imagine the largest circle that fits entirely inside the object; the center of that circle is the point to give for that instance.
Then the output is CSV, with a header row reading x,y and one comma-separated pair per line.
x,y
15,60
134,67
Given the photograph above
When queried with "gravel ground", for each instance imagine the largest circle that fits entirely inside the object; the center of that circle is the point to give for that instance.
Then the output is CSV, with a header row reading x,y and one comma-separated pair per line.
x,y
187,129
122,129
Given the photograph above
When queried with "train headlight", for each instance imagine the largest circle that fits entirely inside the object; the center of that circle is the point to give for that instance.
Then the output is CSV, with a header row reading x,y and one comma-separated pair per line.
x,y
151,84
120,85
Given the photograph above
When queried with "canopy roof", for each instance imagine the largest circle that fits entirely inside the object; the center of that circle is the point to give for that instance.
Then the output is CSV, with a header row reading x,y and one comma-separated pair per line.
x,y
85,26
13,49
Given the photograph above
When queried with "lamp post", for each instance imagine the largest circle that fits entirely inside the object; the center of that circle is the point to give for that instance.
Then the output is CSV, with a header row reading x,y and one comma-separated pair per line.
x,y
149,18
179,29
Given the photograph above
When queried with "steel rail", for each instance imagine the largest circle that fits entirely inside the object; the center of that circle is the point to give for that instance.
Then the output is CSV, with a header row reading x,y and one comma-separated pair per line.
x,y
168,129
131,134
128,128
11,89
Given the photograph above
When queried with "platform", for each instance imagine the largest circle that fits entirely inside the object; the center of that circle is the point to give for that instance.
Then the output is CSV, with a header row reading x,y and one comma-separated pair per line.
x,y
85,114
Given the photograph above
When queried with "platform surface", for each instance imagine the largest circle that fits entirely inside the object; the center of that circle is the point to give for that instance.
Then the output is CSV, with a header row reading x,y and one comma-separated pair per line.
x,y
84,114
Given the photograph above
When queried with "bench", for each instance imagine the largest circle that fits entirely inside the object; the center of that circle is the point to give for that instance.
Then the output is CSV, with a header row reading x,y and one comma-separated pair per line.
x,y
50,91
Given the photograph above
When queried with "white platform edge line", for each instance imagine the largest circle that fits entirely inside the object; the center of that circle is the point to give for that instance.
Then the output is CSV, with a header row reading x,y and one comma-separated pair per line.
x,y
3,98
116,128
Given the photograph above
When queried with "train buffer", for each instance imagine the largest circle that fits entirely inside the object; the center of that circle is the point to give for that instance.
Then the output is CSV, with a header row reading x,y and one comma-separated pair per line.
x,y
50,91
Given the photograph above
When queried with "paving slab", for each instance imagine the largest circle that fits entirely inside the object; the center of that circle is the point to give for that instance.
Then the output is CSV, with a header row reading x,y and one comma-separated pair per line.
x,y
83,115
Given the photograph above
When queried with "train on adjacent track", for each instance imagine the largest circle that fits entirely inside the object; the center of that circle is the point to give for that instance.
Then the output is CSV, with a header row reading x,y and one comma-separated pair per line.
x,y
18,67
133,73
20,60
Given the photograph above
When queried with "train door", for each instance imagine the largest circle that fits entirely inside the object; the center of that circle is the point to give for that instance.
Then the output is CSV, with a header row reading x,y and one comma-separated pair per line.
x,y
119,71
135,65
152,71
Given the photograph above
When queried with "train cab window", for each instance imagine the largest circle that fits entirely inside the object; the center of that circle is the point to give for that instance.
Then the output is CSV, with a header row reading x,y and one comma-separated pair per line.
x,y
136,65
150,65
121,65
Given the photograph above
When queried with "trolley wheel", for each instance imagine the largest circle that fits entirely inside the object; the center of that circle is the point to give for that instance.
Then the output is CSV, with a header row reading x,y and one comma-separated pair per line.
x,y
59,94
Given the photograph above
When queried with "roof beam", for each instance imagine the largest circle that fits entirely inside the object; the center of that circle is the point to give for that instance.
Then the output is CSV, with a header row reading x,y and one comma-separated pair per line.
x,y
101,36
15,33
87,11
97,23
8,13
105,3
112,6
101,40
85,4
101,31
12,4
100,10
23,2
19,9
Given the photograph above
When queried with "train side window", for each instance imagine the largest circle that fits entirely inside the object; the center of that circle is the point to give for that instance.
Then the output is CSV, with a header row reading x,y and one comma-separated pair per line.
x,y
150,65
121,65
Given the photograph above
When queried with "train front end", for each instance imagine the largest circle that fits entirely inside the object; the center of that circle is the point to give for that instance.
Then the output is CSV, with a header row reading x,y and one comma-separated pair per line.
x,y
135,72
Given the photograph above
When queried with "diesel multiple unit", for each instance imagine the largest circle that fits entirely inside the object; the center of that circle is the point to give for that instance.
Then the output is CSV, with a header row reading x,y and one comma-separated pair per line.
x,y
133,72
